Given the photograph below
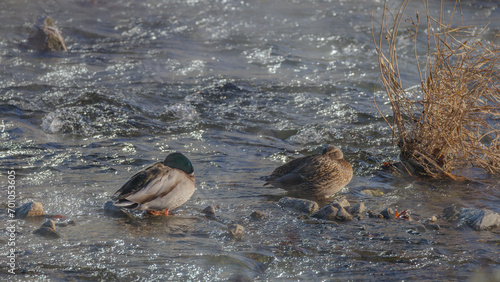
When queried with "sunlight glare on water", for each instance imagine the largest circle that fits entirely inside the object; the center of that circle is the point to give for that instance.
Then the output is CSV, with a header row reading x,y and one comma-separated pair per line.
x,y
240,88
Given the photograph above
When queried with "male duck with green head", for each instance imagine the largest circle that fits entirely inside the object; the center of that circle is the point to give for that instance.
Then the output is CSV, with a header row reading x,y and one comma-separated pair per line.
x,y
160,187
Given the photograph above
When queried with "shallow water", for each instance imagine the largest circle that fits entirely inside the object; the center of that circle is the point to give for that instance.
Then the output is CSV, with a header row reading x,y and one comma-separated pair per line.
x,y
240,88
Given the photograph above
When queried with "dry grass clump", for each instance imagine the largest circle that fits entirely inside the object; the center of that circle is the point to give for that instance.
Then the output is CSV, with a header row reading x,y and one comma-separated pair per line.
x,y
452,122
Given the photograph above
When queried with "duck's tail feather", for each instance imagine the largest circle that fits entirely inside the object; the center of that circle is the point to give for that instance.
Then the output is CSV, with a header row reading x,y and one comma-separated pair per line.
x,y
126,204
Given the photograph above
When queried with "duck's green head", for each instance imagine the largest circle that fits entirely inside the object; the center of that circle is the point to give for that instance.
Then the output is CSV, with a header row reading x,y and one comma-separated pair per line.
x,y
179,161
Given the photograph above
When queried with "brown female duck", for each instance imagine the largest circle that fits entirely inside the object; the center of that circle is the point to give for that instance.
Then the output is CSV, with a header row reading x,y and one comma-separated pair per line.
x,y
317,176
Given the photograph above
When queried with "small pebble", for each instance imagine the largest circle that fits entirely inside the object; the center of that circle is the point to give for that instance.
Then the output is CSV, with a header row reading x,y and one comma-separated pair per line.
x,y
301,205
327,212
451,213
209,211
257,215
343,215
432,226
341,203
236,231
358,210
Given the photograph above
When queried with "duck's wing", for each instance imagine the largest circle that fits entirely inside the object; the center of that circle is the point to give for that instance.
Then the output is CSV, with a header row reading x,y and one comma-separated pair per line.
x,y
290,167
288,174
141,180
158,181
321,168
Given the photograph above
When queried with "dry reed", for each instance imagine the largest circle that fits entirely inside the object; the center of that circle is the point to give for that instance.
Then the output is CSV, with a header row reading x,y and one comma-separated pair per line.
x,y
451,124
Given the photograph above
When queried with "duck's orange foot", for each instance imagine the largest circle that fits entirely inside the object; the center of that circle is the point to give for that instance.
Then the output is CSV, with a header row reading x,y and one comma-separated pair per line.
x,y
157,213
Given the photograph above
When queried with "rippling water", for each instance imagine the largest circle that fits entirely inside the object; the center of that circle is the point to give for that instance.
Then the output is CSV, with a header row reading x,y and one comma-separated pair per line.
x,y
240,87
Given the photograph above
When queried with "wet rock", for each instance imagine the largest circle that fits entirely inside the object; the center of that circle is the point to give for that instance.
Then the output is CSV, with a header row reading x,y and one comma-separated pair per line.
x,y
388,213
328,212
478,219
343,215
417,228
373,214
113,211
342,203
301,205
48,230
433,218
372,193
209,211
236,231
46,37
30,209
333,211
431,225
257,215
358,210
451,213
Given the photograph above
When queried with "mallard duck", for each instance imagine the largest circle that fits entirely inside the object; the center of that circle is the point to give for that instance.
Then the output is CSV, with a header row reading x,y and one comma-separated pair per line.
x,y
317,176
160,187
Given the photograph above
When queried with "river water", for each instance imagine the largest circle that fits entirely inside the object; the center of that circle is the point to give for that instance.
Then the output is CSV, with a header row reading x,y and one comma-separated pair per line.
x,y
239,87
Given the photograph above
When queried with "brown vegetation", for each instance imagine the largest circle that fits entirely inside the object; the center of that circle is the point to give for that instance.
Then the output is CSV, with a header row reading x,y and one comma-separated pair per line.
x,y
452,122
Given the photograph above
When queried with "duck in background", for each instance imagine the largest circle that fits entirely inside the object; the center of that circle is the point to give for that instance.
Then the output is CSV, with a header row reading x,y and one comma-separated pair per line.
x,y
316,177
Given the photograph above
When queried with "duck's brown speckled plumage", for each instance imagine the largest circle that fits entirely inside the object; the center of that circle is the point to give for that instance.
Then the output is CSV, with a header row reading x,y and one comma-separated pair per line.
x,y
318,176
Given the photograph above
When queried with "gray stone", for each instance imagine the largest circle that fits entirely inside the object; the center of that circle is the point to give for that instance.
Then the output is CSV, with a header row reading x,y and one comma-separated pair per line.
x,y
257,215
451,213
374,214
478,219
30,209
432,225
48,230
113,211
236,231
388,213
300,205
340,203
209,211
358,210
343,215
327,212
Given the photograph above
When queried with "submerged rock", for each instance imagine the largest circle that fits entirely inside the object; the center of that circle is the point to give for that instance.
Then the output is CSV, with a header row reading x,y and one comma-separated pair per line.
x,y
236,231
48,230
301,205
343,215
342,203
388,213
478,219
257,215
30,209
358,210
46,37
372,193
451,213
209,211
334,211
374,214
327,212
